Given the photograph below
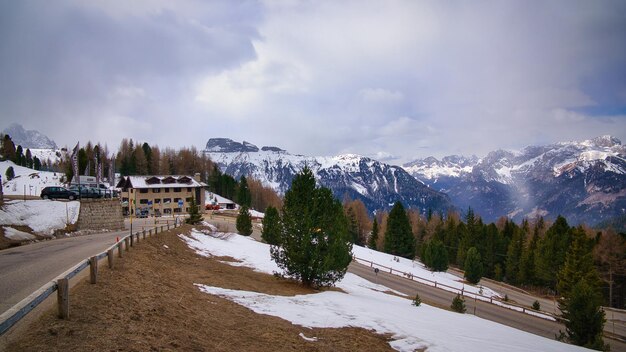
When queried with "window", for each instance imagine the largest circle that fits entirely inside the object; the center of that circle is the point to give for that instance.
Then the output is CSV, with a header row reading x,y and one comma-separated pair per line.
x,y
124,199
167,211
187,210
143,190
176,200
143,201
177,210
167,190
157,201
167,200
188,189
177,189
188,200
156,190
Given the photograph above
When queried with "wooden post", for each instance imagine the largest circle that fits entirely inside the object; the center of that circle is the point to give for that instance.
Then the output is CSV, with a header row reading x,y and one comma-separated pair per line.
x,y
93,269
63,298
110,258
161,228
150,232
144,234
120,250
127,243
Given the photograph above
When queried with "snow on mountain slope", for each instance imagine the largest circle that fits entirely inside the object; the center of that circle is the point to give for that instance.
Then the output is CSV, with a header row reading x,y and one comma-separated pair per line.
x,y
582,180
377,184
28,181
28,139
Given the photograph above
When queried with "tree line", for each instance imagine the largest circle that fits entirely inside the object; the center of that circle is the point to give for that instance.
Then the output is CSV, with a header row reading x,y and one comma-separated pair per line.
x,y
19,156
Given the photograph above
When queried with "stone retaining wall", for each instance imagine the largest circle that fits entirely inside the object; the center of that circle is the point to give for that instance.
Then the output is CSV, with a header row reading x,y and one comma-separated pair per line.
x,y
99,214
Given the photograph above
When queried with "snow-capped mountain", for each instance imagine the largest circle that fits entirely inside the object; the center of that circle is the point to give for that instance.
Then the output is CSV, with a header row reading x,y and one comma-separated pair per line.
x,y
377,184
584,181
28,139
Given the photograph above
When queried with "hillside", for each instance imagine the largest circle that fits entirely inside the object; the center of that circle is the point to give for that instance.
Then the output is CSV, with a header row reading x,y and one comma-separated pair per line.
x,y
377,184
28,181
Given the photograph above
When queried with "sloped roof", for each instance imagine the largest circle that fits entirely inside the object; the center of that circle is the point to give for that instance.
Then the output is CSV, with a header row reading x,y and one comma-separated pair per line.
x,y
153,181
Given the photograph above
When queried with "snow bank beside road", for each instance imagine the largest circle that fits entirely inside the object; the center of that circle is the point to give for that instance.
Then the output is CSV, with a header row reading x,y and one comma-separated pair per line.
x,y
43,216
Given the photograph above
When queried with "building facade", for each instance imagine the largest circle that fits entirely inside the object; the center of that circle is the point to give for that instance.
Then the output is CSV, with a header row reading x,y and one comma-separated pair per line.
x,y
160,195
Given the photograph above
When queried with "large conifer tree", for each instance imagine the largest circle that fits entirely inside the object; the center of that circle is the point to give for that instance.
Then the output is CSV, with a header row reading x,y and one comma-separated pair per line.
x,y
313,246
371,243
473,266
244,221
399,238
271,226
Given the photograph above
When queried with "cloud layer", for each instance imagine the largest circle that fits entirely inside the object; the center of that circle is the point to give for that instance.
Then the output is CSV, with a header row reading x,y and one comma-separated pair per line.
x,y
390,79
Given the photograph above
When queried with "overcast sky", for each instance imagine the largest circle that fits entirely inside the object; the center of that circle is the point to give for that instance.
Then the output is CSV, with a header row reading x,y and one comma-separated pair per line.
x,y
395,80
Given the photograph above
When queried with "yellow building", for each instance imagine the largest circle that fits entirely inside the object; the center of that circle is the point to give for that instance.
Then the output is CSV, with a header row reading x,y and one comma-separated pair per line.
x,y
160,195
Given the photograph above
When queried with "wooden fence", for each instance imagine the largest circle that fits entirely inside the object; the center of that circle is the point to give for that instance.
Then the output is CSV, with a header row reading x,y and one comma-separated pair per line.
x,y
61,283
462,292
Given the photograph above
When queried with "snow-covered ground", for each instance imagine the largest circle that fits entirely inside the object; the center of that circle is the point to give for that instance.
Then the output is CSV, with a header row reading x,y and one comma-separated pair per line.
x,y
27,181
364,304
418,270
43,216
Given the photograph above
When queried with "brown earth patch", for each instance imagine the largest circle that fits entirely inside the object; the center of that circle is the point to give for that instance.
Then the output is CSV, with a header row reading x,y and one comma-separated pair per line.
x,y
148,303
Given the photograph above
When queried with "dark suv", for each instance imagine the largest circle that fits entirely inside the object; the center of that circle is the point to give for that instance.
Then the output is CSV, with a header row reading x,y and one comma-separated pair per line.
x,y
57,192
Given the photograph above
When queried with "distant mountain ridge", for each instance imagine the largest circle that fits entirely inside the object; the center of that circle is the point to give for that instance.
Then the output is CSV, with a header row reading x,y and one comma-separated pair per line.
x,y
584,181
377,184
29,139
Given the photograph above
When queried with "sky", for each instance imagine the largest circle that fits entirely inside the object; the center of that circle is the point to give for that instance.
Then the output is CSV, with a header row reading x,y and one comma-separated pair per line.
x,y
393,80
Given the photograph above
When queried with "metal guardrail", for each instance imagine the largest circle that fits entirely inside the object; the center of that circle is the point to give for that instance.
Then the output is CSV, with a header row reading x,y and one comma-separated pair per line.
x,y
462,292
14,314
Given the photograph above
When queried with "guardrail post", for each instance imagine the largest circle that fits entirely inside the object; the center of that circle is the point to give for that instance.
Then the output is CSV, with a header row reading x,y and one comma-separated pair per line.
x,y
120,250
110,258
127,243
168,226
161,228
93,269
63,298
144,234
150,232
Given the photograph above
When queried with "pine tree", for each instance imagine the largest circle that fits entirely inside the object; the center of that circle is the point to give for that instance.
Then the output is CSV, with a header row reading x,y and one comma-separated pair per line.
x,y
313,247
583,316
243,193
271,226
417,301
10,173
36,163
28,159
514,257
458,304
8,148
578,265
244,221
374,236
399,238
551,252
194,214
435,255
19,156
473,266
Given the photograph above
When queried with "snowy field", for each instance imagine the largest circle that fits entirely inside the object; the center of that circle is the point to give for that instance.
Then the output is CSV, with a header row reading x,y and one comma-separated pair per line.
x,y
418,270
363,304
27,181
43,216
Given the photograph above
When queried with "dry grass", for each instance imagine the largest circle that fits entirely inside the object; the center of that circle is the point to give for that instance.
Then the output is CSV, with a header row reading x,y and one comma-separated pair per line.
x,y
148,303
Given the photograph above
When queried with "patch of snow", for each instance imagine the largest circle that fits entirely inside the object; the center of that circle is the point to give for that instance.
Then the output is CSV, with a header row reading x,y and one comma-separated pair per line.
x,y
165,246
43,216
17,235
364,304
28,181
310,339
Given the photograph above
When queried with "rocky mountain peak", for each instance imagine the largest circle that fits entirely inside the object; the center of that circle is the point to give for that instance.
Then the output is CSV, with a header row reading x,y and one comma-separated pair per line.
x,y
227,145
29,138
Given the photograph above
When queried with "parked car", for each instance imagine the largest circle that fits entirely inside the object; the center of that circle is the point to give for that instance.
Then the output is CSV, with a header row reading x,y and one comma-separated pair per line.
x,y
54,192
86,192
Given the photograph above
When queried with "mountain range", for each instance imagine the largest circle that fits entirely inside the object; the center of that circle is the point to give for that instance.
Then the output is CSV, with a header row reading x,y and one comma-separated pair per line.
x,y
29,138
584,181
377,184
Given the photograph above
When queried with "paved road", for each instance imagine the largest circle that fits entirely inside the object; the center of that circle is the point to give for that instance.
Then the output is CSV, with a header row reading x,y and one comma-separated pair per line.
x,y
25,269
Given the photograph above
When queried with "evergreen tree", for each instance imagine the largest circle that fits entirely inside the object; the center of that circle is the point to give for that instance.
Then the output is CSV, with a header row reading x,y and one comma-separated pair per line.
x,y
36,163
583,316
19,156
551,252
374,236
243,193
473,266
8,148
271,226
514,258
28,159
417,301
527,266
244,221
10,173
578,265
399,238
458,304
194,213
435,255
353,227
313,247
